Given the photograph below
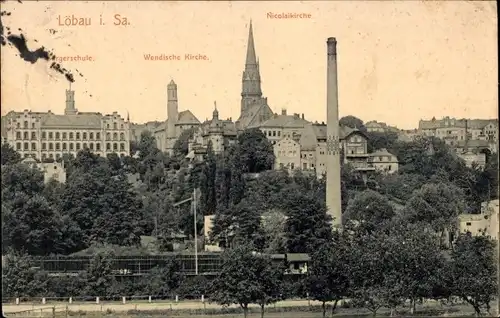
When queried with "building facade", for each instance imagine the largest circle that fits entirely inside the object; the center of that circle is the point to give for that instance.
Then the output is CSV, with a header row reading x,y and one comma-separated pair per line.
x,y
51,171
43,135
220,133
453,131
306,150
485,223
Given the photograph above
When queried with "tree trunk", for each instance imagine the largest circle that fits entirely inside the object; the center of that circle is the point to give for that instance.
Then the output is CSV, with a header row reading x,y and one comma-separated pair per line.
x,y
324,309
262,310
412,306
477,309
334,306
392,312
245,311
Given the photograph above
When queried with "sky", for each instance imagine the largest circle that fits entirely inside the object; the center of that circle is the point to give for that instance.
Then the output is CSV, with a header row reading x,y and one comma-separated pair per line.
x,y
398,62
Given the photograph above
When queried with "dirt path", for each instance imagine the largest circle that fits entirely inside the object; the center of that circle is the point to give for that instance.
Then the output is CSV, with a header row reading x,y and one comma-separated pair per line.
x,y
142,306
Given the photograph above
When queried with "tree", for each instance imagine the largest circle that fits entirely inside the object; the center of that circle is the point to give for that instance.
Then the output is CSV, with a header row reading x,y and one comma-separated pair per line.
x,y
245,278
20,178
351,121
437,204
19,279
164,280
30,225
308,226
369,210
473,271
273,227
207,183
380,140
104,206
374,278
99,275
9,155
255,151
181,145
328,275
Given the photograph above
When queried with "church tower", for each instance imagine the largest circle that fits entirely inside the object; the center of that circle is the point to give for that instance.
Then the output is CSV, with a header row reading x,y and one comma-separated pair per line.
x,y
172,116
251,89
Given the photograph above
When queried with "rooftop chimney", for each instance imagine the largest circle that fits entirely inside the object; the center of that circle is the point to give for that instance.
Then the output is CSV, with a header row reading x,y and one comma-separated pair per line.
x,y
283,111
302,115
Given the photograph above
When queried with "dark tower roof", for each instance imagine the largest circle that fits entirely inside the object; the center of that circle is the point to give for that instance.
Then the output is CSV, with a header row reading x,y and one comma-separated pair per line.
x,y
251,57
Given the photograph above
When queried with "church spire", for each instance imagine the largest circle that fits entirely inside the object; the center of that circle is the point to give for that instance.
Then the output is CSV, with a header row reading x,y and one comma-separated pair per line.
x,y
251,57
251,90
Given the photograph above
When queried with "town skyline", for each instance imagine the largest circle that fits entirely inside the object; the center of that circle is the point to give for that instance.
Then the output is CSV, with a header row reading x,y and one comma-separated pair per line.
x,y
292,77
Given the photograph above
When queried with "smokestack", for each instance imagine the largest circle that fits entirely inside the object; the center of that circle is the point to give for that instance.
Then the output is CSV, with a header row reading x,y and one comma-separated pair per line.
x,y
333,194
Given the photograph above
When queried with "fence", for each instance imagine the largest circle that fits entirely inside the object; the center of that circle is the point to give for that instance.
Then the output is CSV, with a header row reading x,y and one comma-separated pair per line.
x,y
54,312
34,301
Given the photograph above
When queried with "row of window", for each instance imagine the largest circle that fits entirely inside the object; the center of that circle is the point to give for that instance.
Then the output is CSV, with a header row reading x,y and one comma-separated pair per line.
x,y
26,136
70,146
272,133
33,126
54,156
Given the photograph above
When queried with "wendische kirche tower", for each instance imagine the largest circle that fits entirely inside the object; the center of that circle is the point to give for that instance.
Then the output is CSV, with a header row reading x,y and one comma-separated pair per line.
x,y
333,194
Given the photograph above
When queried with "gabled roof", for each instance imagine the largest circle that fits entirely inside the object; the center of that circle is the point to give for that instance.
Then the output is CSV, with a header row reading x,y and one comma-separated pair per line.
x,y
83,120
308,140
286,121
187,117
382,152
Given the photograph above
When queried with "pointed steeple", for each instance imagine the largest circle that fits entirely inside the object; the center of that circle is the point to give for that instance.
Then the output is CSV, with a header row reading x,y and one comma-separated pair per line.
x,y
251,57
251,88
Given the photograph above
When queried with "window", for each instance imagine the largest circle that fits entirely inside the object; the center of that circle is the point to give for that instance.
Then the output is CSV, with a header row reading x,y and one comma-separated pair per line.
x,y
18,125
18,146
304,166
44,135
97,135
58,135
122,136
25,135
18,135
115,126
84,137
71,146
33,135
91,136
380,158
65,135
51,155
107,126
108,146
77,146
122,146
77,135
389,168
468,223
58,146
121,126
108,136
33,125
25,124
115,146
84,146
70,135
274,133
51,146
64,146
279,133
98,147
26,146
44,146
51,135
115,136
33,146
91,146
292,165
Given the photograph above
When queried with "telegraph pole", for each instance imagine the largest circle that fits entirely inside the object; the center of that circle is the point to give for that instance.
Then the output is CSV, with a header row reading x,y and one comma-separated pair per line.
x,y
193,200
195,234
